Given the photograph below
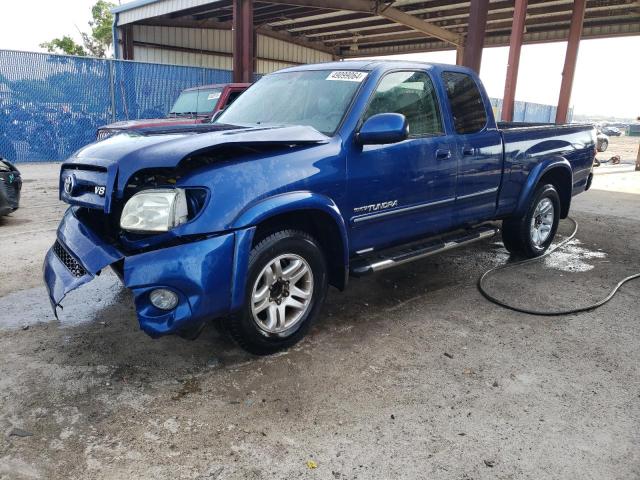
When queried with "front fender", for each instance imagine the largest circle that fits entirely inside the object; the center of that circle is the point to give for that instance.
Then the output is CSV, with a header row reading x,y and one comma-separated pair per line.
x,y
268,208
293,202
534,177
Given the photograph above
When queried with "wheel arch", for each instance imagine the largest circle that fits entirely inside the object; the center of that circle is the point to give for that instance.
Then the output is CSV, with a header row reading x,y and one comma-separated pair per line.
x,y
556,171
313,213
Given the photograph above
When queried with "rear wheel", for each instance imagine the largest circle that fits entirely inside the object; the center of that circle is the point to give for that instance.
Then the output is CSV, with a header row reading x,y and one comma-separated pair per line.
x,y
285,290
603,146
532,234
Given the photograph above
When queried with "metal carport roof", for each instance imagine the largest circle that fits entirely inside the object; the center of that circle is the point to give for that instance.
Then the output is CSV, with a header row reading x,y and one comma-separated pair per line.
x,y
356,28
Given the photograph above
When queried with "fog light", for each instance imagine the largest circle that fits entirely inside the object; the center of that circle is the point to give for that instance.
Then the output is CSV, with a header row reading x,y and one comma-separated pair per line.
x,y
163,299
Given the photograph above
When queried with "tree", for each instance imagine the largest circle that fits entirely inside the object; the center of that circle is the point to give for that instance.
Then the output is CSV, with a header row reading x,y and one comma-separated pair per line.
x,y
96,43
66,44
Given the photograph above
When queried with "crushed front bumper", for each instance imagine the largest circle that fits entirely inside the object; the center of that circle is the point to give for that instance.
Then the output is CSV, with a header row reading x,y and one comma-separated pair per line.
x,y
199,272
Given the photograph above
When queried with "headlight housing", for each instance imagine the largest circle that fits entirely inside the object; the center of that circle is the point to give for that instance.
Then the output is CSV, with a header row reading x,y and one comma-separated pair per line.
x,y
157,210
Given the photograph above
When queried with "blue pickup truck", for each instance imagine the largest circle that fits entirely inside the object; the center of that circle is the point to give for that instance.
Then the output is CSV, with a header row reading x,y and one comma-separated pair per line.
x,y
316,174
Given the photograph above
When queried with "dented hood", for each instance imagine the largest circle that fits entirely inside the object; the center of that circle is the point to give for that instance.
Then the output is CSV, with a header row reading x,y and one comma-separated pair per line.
x,y
152,122
163,147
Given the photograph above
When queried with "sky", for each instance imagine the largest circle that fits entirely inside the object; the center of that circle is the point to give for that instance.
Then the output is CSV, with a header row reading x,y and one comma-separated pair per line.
x,y
606,81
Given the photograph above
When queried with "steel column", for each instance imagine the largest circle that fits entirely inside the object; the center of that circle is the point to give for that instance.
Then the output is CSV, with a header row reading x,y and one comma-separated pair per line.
x,y
515,46
243,41
570,59
459,54
127,42
475,36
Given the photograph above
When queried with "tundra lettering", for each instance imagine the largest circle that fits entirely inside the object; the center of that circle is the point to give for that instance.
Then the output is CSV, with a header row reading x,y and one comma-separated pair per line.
x,y
314,175
376,207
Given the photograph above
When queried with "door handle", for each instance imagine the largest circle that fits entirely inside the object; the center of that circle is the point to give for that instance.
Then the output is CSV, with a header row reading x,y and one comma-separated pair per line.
x,y
443,154
468,151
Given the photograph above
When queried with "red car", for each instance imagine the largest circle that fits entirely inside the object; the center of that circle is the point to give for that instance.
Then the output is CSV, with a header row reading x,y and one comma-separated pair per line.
x,y
194,105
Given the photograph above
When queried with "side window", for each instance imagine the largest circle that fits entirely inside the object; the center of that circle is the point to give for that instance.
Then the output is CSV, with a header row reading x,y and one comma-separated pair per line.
x,y
467,107
232,97
411,94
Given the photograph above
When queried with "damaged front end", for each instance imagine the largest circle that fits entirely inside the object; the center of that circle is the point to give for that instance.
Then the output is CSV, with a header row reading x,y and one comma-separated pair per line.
x,y
198,273
140,203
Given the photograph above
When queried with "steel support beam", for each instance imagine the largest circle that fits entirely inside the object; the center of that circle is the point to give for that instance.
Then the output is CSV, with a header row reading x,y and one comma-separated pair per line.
x,y
390,13
297,40
243,41
459,54
515,46
420,25
570,59
474,43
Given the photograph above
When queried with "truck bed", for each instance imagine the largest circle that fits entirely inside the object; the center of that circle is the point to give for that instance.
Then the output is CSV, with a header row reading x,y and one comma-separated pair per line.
x,y
528,144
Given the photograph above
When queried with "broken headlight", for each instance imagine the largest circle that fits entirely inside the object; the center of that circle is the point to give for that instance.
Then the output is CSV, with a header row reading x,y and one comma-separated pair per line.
x,y
157,210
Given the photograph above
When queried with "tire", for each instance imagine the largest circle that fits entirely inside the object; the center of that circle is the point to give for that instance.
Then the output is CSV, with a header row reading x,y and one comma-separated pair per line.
x,y
531,235
603,146
280,304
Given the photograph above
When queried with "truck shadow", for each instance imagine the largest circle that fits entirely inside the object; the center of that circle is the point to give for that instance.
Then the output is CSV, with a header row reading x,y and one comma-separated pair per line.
x,y
109,334
11,221
100,335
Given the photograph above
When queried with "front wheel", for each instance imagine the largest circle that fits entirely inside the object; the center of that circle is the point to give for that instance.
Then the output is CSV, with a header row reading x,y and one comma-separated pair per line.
x,y
286,286
532,234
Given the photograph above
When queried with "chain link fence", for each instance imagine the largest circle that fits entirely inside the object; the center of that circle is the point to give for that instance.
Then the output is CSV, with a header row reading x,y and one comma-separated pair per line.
x,y
51,105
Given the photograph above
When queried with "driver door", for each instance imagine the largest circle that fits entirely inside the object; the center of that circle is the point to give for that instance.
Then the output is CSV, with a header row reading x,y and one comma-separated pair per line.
x,y
397,192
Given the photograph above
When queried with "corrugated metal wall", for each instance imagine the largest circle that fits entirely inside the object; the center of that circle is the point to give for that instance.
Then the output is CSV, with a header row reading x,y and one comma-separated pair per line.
x,y
154,9
214,49
283,54
192,38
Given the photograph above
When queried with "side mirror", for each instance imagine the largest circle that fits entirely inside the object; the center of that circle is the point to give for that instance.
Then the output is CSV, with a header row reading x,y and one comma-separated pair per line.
x,y
383,128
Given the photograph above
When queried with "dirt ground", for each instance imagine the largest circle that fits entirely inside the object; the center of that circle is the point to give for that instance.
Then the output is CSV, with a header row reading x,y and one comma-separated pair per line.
x,y
410,374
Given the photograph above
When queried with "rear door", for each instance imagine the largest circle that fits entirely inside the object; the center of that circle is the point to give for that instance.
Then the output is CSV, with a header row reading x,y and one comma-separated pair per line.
x,y
478,151
406,189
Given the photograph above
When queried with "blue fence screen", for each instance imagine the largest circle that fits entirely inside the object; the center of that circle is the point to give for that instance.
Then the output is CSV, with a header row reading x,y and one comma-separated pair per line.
x,y
51,105
529,112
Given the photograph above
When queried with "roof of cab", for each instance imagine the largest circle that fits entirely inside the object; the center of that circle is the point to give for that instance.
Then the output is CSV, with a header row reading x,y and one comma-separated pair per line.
x,y
370,65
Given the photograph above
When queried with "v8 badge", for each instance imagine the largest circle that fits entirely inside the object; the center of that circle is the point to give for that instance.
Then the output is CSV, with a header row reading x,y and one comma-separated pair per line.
x,y
98,190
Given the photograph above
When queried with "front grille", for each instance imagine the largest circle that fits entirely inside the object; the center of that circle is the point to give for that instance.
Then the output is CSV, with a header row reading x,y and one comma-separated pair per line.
x,y
104,133
67,259
83,180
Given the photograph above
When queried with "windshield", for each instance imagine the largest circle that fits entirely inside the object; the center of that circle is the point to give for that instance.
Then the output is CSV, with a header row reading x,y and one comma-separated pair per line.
x,y
315,98
194,102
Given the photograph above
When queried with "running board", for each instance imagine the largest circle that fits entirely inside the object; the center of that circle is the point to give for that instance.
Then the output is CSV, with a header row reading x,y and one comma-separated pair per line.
x,y
395,256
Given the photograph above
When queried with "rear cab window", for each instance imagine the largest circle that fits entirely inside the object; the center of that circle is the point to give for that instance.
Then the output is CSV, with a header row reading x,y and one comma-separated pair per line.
x,y
467,107
412,94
